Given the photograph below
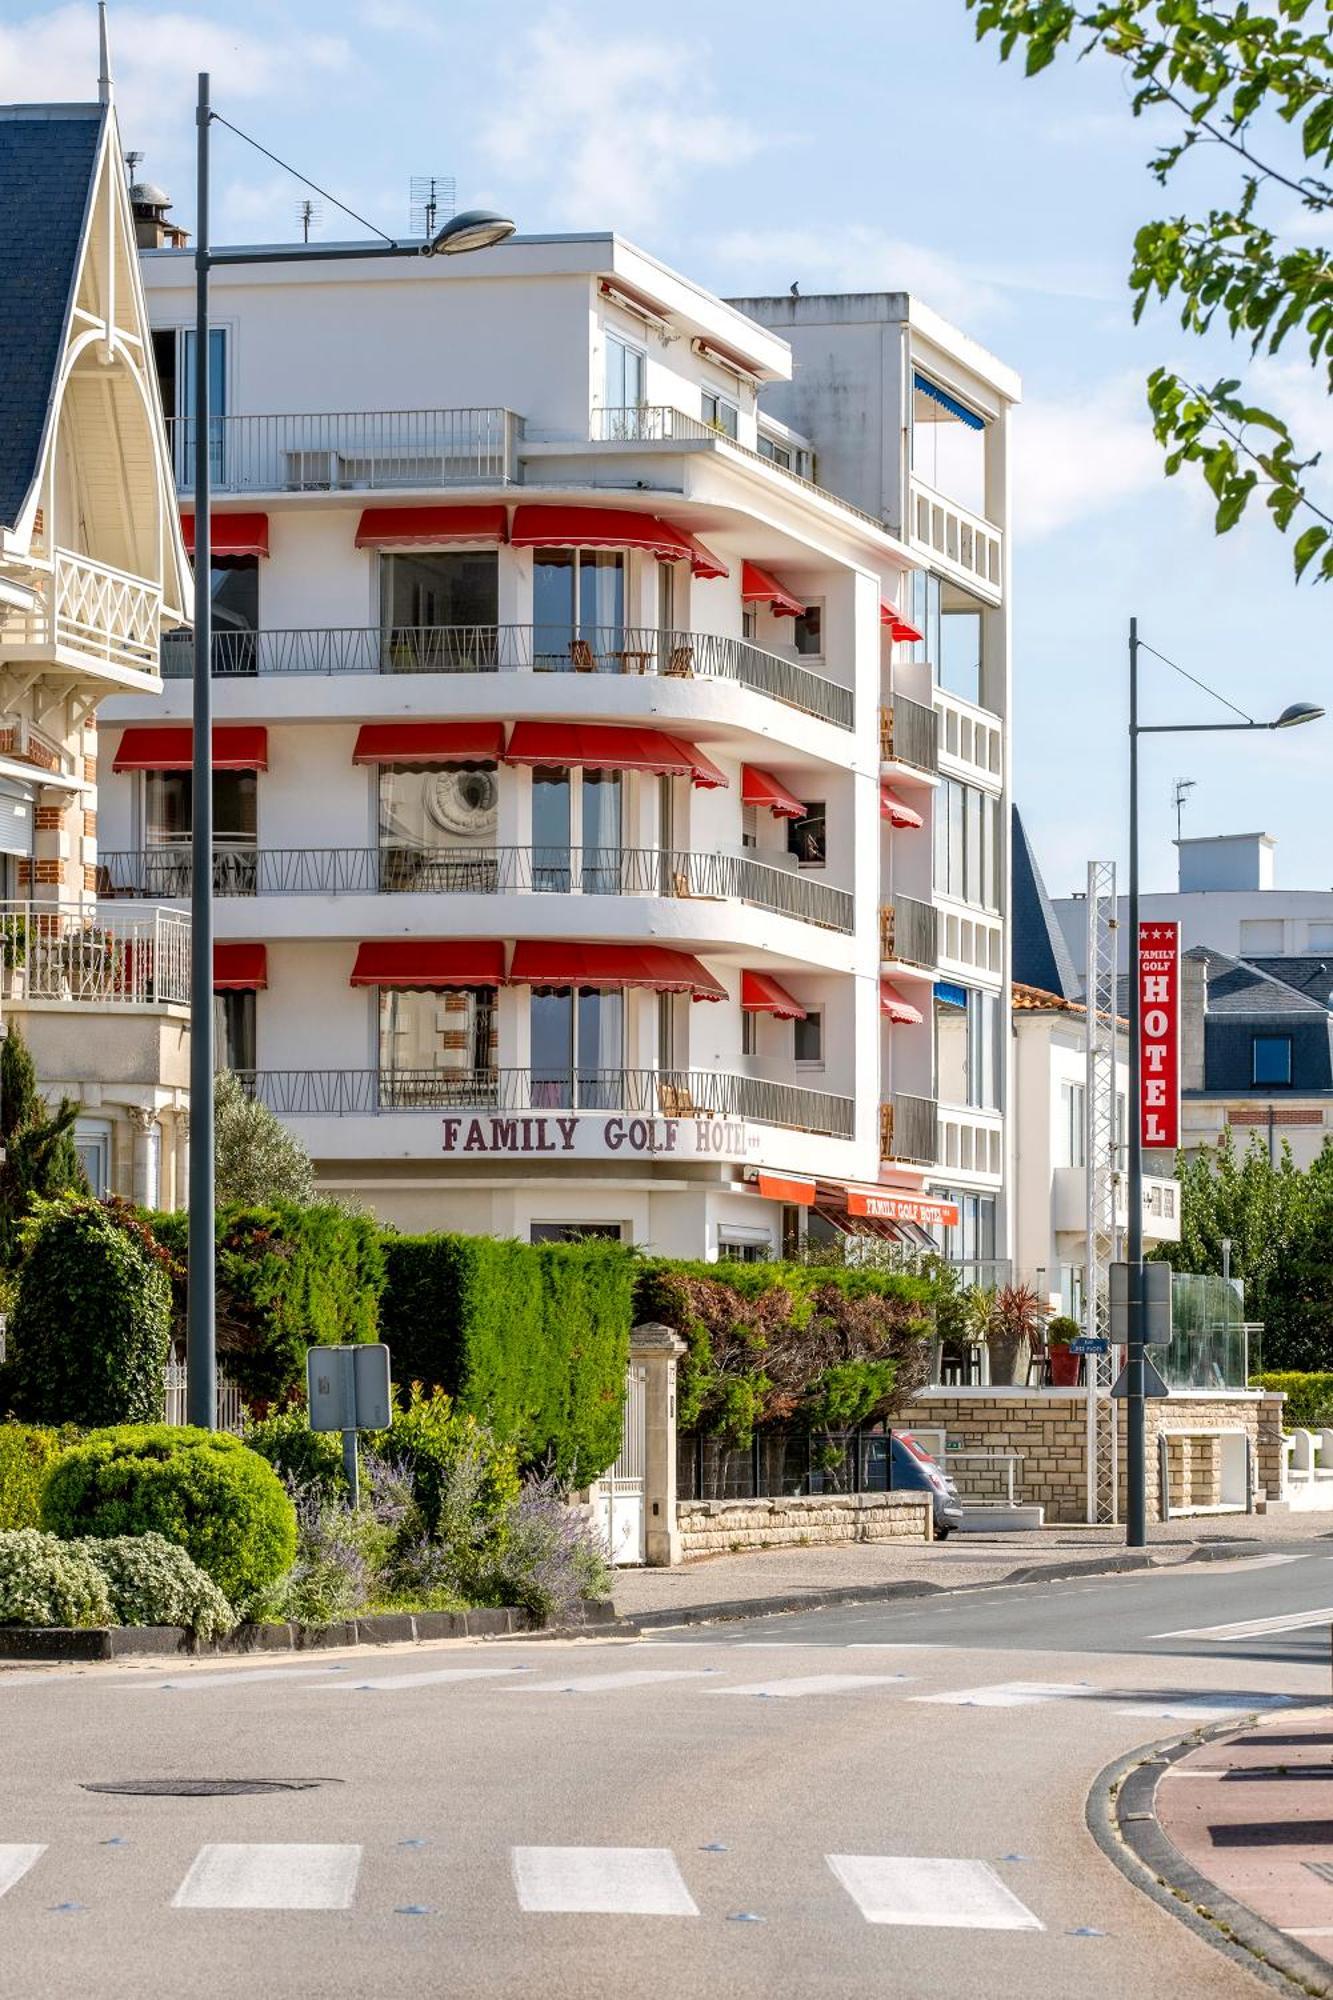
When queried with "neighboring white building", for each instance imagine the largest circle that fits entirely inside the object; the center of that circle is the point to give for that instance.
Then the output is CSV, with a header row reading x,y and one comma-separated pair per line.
x,y
578,779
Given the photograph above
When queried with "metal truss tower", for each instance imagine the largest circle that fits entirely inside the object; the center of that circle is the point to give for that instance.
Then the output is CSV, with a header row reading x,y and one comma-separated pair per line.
x,y
1102,1142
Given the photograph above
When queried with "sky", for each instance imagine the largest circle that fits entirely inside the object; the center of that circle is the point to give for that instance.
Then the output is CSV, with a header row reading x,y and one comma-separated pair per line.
x,y
886,151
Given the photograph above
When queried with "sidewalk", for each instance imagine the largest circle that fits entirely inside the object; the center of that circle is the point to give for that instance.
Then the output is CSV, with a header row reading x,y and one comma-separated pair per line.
x,y
765,1580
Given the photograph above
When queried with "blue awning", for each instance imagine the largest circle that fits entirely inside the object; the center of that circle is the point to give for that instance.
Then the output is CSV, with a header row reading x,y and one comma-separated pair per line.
x,y
949,403
950,995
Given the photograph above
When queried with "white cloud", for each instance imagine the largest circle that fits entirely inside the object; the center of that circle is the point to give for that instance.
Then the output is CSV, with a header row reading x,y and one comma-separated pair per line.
x,y
860,258
609,127
1082,455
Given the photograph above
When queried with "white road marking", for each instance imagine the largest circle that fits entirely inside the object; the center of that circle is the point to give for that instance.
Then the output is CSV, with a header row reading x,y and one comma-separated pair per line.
x,y
383,1683
602,1881
629,1677
200,1683
935,1893
259,1875
809,1684
1010,1694
1255,1628
15,1861
1205,1708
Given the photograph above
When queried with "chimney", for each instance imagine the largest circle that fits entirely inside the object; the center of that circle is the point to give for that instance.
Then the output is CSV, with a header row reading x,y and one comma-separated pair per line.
x,y
150,203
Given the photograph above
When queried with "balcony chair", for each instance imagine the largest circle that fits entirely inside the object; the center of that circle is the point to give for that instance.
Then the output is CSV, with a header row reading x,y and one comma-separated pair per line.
x,y
581,657
680,663
961,1363
676,1101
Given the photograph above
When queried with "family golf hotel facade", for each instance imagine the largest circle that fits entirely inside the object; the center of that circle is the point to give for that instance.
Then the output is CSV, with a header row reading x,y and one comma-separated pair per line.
x,y
611,743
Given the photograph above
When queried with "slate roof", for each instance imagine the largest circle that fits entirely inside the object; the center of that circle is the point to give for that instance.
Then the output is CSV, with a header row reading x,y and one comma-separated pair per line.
x,y
1239,986
1311,974
1041,956
47,155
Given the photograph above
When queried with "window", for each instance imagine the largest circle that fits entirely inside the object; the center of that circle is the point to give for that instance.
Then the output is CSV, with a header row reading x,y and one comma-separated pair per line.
x,y
1071,1138
968,856
92,1143
749,1032
234,1031
808,1037
1071,1291
958,663
722,415
967,1047
749,623
168,814
235,595
577,1043
1261,937
948,444
576,1232
427,1039
437,827
667,1020
808,632
439,608
666,597
1271,1059
578,608
626,372
791,457
737,1246
573,809
173,355
777,454
807,836
749,826
1319,937
970,1242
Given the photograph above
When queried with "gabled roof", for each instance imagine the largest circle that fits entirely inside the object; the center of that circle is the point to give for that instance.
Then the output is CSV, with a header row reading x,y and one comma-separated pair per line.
x,y
1236,986
1042,957
1310,974
48,158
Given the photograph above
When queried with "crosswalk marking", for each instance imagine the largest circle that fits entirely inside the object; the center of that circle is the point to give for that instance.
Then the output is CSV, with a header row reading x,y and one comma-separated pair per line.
x,y
934,1893
1010,1694
1255,1628
802,1684
15,1861
1204,1707
602,1881
259,1875
384,1683
201,1683
630,1677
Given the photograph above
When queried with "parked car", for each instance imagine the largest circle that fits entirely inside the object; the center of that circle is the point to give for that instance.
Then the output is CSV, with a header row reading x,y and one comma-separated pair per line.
x,y
913,1470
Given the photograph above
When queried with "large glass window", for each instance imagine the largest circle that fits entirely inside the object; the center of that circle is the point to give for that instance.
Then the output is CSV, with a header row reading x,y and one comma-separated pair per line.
x,y
808,632
234,1031
968,860
600,796
807,837
436,1047
578,609
948,444
437,827
168,812
235,595
722,415
438,608
626,368
550,828
577,1047
970,1242
959,655
1072,1135
967,1047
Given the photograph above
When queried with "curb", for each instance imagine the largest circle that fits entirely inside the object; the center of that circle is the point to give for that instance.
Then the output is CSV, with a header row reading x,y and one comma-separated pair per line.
x,y
1122,1818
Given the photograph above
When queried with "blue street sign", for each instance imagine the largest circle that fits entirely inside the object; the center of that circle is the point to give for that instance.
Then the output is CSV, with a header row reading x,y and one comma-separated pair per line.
x,y
1088,1346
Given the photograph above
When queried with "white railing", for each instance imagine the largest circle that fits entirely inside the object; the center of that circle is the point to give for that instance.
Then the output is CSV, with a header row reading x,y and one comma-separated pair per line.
x,y
972,1142
970,737
970,942
337,450
231,1410
961,541
123,957
89,608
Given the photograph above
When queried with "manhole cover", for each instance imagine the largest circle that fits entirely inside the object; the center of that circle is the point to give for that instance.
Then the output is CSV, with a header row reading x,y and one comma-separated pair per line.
x,y
204,1788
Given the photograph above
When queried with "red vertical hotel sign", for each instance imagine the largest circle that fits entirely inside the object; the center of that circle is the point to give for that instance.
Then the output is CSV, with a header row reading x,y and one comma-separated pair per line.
x,y
1159,1034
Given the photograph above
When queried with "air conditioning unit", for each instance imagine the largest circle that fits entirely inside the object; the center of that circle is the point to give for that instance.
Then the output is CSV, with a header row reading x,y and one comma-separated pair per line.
x,y
311,471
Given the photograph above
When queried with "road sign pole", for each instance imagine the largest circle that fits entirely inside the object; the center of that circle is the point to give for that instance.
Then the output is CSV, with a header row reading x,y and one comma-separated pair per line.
x,y
1136,1464
350,1467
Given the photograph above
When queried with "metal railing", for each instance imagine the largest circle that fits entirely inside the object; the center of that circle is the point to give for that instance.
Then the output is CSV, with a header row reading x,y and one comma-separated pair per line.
x,y
231,1410
101,958
676,1093
165,872
909,733
351,450
909,1129
490,649
909,932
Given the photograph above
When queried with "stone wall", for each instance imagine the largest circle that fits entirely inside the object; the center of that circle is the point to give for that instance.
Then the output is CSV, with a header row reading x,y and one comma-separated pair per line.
x,y
717,1527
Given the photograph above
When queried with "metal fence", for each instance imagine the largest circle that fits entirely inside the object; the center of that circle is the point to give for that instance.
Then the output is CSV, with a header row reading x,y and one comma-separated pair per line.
x,y
231,1411
338,450
125,957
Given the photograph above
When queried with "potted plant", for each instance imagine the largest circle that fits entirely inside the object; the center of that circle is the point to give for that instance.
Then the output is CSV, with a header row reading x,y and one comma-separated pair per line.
x,y
1064,1362
1017,1316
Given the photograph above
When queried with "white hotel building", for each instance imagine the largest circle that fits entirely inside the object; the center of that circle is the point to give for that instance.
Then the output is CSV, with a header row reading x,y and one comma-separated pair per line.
x,y
599,848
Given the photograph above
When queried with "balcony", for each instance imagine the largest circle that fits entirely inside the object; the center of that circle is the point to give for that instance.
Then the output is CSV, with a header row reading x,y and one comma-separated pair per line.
x,y
491,649
1161,1204
909,1130
661,1098
909,734
102,614
971,1142
959,543
165,872
970,739
352,450
909,933
117,958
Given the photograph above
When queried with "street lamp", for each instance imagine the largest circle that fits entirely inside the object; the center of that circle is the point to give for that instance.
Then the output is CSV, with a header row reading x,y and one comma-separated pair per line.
x,y
1301,711
475,229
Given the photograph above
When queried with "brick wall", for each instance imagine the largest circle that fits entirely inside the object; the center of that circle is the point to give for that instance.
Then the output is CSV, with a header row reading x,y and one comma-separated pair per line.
x,y
717,1527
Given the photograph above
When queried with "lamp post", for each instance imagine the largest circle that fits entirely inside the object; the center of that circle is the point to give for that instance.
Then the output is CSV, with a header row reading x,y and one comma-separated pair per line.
x,y
1135,1406
475,229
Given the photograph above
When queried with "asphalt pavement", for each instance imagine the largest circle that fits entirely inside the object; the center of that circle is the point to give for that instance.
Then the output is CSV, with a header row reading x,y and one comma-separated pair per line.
x,y
882,1800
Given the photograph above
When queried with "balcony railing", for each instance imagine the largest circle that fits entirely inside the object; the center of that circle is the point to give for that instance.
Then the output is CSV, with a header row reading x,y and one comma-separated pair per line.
x,y
909,734
684,1093
490,649
909,932
962,541
107,958
165,872
351,450
909,1129
89,608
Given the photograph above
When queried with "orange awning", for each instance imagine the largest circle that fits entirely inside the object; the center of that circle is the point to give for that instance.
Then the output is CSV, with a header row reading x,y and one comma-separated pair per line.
x,y
761,994
557,962
787,1187
240,968
758,587
237,746
231,534
895,1008
424,743
429,527
892,809
603,746
612,528
759,788
430,964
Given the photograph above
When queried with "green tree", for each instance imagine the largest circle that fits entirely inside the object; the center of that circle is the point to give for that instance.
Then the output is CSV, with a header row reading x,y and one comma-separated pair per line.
x,y
257,1159
39,1156
1254,83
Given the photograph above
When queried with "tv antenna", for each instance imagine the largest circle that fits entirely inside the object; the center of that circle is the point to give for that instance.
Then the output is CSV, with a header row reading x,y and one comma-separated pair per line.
x,y
1180,798
310,215
434,198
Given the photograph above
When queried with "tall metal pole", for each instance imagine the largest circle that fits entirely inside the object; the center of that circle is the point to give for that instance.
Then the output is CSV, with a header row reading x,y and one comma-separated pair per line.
x,y
201,1329
1136,1443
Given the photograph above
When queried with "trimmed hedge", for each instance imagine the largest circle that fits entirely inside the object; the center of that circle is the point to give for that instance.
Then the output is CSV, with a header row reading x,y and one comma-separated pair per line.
x,y
202,1490
27,1452
1309,1405
289,1278
45,1581
533,1339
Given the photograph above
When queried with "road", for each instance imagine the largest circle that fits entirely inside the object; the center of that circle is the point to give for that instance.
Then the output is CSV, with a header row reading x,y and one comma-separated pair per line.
x,y
872,1801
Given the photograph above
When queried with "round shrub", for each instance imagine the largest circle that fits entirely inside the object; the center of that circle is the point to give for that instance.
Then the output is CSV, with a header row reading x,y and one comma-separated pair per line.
x,y
92,1322
44,1581
202,1490
153,1582
301,1457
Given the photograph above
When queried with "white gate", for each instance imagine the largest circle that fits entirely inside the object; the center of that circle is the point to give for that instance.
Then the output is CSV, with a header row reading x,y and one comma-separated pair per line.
x,y
620,1489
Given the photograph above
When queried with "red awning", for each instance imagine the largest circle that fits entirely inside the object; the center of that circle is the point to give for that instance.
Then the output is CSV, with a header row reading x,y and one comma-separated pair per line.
x,y
237,746
429,743
430,963
758,587
895,1008
240,968
761,994
886,1204
894,811
758,788
555,962
787,1187
429,527
231,534
890,615
612,528
602,746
